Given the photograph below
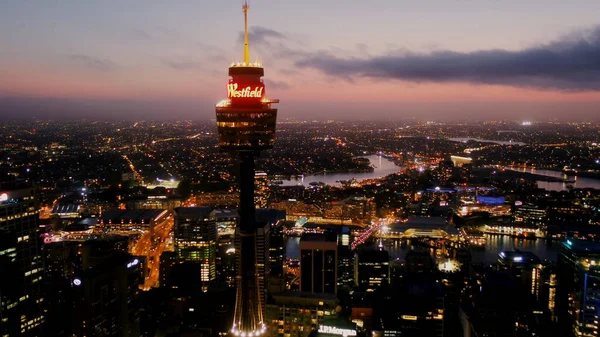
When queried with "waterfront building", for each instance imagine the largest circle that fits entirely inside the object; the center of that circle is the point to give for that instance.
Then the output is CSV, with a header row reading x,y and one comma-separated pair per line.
x,y
530,214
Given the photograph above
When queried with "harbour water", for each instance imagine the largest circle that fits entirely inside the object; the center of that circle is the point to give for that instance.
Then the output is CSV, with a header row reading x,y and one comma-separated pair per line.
x,y
580,182
382,165
544,249
464,140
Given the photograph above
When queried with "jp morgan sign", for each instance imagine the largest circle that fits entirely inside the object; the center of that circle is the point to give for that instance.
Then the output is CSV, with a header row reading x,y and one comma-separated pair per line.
x,y
336,331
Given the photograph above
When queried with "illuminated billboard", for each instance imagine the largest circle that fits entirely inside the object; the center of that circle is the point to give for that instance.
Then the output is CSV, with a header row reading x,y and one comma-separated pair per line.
x,y
235,90
331,330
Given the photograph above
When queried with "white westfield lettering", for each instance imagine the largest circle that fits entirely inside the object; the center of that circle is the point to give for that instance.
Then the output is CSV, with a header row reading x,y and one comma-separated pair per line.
x,y
248,92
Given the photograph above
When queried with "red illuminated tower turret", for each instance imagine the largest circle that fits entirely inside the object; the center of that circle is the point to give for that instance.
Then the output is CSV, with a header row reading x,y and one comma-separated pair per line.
x,y
246,125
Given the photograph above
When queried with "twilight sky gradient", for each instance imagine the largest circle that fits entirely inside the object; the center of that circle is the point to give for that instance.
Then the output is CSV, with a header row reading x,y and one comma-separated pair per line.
x,y
351,59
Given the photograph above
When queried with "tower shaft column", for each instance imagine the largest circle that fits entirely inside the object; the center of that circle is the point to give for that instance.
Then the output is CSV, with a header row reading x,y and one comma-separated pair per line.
x,y
247,210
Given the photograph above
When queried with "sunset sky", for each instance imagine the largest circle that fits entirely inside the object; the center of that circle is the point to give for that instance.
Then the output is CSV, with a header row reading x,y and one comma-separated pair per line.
x,y
379,59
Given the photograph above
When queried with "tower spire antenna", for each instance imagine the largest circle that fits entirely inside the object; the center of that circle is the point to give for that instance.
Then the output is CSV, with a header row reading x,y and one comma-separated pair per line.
x,y
246,51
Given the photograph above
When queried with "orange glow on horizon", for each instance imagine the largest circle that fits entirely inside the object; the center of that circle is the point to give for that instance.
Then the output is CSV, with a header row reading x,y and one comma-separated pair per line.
x,y
37,81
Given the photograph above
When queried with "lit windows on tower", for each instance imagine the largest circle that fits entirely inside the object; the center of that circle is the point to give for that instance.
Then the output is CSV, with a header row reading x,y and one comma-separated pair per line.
x,y
196,239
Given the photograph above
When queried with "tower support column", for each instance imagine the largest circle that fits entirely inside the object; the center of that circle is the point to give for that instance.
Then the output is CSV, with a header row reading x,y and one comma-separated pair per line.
x,y
247,210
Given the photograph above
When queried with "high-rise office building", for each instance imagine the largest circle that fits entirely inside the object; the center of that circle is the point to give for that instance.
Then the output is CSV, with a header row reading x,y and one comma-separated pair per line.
x,y
345,259
262,259
525,267
318,263
371,268
274,219
246,126
21,261
418,262
92,287
196,240
415,306
578,287
107,295
296,314
261,189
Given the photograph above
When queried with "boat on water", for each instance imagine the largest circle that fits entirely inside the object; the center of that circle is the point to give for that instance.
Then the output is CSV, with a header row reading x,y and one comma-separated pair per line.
x,y
525,236
477,240
569,171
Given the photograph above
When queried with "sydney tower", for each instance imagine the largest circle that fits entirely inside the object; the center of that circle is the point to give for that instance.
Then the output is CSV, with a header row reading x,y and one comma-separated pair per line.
x,y
246,124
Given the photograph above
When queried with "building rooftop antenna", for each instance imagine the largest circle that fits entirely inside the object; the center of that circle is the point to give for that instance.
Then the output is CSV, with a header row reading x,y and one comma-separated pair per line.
x,y
246,52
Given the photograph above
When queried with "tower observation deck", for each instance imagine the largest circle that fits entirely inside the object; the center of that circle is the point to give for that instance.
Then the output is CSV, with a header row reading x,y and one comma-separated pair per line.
x,y
246,126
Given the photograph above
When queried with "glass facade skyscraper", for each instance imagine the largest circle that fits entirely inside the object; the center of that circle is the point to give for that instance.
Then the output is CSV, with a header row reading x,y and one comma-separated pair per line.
x,y
318,263
196,239
578,290
21,262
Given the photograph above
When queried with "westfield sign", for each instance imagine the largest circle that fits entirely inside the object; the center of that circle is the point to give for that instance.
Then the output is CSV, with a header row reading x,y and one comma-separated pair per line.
x,y
247,92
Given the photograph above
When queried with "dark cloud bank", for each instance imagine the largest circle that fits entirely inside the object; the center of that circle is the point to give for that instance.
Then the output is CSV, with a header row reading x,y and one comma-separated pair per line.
x,y
259,35
94,62
568,64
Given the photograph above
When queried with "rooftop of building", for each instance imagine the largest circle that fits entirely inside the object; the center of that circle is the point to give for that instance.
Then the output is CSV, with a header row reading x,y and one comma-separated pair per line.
x,y
307,295
226,212
82,225
499,279
192,212
373,255
315,237
10,182
424,223
270,214
518,257
336,321
155,196
246,65
65,208
133,215
582,246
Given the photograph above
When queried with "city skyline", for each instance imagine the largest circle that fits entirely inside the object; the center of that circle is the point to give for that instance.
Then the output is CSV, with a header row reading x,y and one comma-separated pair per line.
x,y
439,60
